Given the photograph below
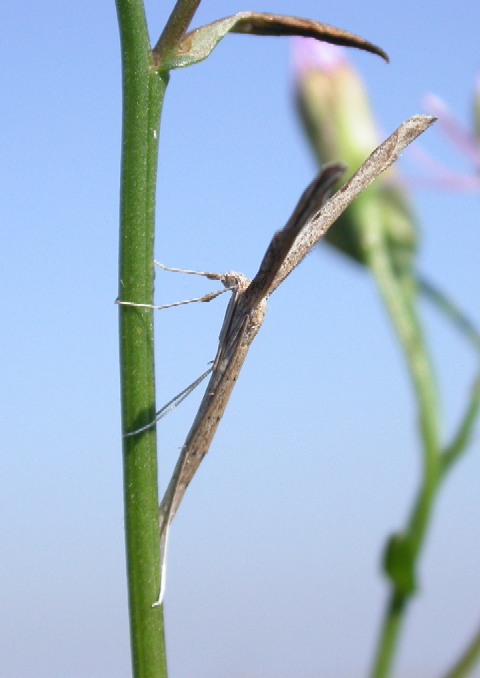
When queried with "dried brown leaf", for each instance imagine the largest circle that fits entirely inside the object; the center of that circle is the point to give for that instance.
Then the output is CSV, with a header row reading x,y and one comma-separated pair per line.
x,y
258,23
198,44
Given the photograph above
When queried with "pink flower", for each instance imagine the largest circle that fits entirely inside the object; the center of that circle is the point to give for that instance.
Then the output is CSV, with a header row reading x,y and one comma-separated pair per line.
x,y
463,139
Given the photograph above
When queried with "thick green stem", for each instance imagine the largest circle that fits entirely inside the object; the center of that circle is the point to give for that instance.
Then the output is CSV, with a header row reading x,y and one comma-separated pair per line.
x,y
143,94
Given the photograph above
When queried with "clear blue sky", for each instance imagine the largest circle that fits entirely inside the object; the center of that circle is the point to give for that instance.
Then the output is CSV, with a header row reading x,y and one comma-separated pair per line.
x,y
274,562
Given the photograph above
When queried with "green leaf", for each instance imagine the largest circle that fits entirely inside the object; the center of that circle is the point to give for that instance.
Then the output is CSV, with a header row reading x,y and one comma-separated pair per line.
x,y
399,564
198,44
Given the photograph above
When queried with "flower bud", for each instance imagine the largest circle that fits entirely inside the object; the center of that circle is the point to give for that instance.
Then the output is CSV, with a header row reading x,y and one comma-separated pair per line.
x,y
335,111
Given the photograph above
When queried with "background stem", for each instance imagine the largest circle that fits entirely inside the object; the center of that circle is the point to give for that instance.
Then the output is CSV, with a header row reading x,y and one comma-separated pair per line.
x,y
398,293
143,94
390,633
467,662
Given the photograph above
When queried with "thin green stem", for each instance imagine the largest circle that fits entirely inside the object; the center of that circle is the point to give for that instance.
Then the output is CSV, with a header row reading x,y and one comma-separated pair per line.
x,y
176,26
143,94
391,629
450,310
398,296
465,431
397,293
468,659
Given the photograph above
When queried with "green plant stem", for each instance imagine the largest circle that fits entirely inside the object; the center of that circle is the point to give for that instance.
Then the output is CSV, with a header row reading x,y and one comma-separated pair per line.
x,y
451,311
468,660
397,292
391,628
465,430
143,94
176,26
398,295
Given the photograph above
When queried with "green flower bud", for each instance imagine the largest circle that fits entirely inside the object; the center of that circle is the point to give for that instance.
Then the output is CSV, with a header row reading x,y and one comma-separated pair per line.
x,y
337,117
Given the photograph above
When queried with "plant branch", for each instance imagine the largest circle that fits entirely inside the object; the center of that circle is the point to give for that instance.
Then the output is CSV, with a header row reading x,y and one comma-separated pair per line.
x,y
465,430
451,311
175,28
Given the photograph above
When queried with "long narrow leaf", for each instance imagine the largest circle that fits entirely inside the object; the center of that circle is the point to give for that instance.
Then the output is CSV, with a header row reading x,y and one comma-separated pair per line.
x,y
198,44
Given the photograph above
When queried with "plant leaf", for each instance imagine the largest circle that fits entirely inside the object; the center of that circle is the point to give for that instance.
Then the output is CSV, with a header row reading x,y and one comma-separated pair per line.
x,y
198,44
399,564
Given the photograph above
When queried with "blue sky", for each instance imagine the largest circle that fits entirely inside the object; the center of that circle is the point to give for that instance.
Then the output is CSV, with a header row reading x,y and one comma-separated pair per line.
x,y
274,561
